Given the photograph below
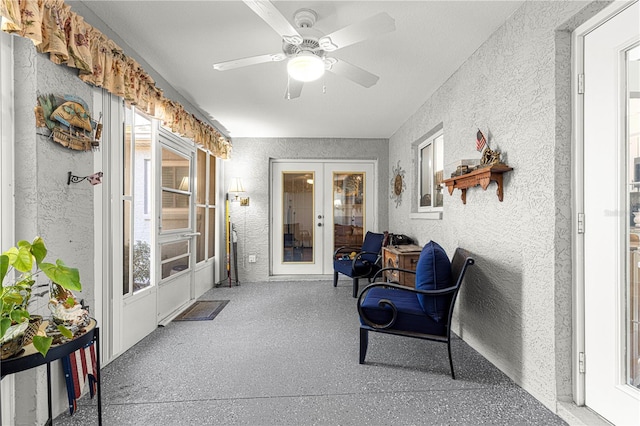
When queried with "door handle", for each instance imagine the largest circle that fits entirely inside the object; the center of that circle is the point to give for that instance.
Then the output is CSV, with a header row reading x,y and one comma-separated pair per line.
x,y
191,234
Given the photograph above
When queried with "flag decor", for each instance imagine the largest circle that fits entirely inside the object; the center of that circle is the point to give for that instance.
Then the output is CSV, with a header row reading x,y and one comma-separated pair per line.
x,y
78,367
481,141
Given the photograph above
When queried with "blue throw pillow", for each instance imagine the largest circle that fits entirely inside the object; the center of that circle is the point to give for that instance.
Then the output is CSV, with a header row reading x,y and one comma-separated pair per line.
x,y
433,272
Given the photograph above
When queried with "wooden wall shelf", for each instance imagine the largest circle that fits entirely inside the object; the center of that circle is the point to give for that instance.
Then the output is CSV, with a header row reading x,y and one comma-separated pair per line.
x,y
482,177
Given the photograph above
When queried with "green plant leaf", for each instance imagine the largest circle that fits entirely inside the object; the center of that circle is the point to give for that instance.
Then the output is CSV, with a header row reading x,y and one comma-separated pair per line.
x,y
38,249
12,298
42,344
63,275
5,323
24,244
4,267
65,331
23,260
19,315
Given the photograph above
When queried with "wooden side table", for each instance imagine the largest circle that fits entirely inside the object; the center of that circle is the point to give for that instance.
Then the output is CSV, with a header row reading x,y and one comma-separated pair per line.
x,y
403,257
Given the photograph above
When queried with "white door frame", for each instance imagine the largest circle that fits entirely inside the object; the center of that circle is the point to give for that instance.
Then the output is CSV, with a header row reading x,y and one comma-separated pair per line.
x,y
7,225
578,299
325,234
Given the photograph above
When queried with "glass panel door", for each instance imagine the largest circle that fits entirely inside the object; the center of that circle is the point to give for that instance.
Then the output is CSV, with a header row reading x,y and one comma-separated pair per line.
x,y
297,217
611,157
317,207
177,238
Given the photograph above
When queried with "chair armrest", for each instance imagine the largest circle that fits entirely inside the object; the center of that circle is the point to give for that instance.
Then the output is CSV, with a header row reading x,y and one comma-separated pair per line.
x,y
381,271
345,249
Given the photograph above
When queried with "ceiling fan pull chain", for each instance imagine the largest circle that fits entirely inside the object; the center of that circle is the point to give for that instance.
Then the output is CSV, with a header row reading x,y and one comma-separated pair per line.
x,y
324,86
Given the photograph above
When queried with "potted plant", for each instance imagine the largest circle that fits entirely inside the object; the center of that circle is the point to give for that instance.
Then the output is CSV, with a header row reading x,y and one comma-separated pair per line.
x,y
20,266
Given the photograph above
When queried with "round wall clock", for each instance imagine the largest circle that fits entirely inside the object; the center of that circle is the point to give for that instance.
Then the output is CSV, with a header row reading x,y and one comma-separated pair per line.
x,y
398,184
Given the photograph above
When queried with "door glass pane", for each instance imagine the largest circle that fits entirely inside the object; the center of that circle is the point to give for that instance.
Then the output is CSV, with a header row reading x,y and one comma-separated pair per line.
x,y
348,209
176,190
126,152
212,180
212,233
126,249
201,193
141,262
201,220
297,220
633,287
174,258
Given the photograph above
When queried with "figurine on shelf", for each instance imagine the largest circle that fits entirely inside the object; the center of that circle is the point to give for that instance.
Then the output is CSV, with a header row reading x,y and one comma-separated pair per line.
x,y
489,156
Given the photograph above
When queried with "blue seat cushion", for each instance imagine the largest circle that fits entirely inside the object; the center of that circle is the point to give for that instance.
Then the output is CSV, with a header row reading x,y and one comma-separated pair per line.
x,y
411,316
433,272
361,268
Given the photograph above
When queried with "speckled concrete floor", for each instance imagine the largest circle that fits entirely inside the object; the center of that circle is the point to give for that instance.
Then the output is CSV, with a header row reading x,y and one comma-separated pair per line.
x,y
286,353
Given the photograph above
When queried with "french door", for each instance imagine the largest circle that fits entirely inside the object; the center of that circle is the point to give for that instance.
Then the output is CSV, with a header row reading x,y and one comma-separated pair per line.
x,y
154,253
316,207
611,138
176,228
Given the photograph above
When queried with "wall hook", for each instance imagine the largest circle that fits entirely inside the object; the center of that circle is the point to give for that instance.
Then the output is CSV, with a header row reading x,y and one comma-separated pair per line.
x,y
93,179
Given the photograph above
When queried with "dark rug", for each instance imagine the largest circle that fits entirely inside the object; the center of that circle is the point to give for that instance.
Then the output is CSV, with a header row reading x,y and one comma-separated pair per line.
x,y
202,310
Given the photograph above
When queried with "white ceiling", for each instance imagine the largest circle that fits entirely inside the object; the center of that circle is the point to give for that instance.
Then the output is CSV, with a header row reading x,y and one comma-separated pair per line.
x,y
183,39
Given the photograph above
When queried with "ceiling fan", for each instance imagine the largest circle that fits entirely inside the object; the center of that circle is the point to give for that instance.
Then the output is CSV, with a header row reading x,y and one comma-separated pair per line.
x,y
307,49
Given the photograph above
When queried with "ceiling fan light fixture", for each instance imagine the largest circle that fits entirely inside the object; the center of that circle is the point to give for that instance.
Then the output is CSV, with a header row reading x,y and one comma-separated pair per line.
x,y
305,66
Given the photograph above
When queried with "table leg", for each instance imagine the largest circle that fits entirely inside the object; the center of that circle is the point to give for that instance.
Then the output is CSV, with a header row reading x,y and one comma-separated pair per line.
x,y
49,409
96,336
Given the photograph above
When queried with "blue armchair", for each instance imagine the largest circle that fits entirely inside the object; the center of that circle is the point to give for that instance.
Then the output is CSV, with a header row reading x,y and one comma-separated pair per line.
x,y
364,265
423,312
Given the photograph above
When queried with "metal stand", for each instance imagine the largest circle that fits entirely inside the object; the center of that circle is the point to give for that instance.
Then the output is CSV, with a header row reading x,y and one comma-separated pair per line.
x,y
31,358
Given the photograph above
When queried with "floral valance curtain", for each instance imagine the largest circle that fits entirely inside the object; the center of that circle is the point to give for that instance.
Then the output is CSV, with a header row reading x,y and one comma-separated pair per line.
x,y
63,34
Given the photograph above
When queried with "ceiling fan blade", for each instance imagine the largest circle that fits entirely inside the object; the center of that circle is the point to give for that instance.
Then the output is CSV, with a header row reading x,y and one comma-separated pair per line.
x,y
370,27
353,73
252,60
294,89
272,16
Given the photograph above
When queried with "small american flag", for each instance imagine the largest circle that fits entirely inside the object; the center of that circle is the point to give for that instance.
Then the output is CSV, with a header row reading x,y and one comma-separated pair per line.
x,y
79,368
480,140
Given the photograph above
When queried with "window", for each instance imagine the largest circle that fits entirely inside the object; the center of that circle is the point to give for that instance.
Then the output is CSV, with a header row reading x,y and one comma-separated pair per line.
x,y
430,172
136,202
205,205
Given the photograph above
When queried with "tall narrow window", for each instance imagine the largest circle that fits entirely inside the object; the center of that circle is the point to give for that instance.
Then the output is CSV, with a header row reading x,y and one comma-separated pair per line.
x,y
205,205
136,220
430,173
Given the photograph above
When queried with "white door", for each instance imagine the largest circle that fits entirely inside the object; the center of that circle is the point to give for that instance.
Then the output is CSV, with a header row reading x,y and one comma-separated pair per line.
x,y
318,206
611,194
176,227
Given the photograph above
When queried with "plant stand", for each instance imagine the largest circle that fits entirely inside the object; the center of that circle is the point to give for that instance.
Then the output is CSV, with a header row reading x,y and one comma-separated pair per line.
x,y
31,358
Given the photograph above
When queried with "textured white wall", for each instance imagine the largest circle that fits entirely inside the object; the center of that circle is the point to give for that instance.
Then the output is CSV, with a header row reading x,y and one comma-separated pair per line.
x,y
515,308
250,160
45,205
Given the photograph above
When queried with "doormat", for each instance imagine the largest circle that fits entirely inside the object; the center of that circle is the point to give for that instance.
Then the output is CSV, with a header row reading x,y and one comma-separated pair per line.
x,y
202,310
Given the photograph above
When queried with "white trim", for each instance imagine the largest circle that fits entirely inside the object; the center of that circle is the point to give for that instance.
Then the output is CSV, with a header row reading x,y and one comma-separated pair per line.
x,y
7,219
